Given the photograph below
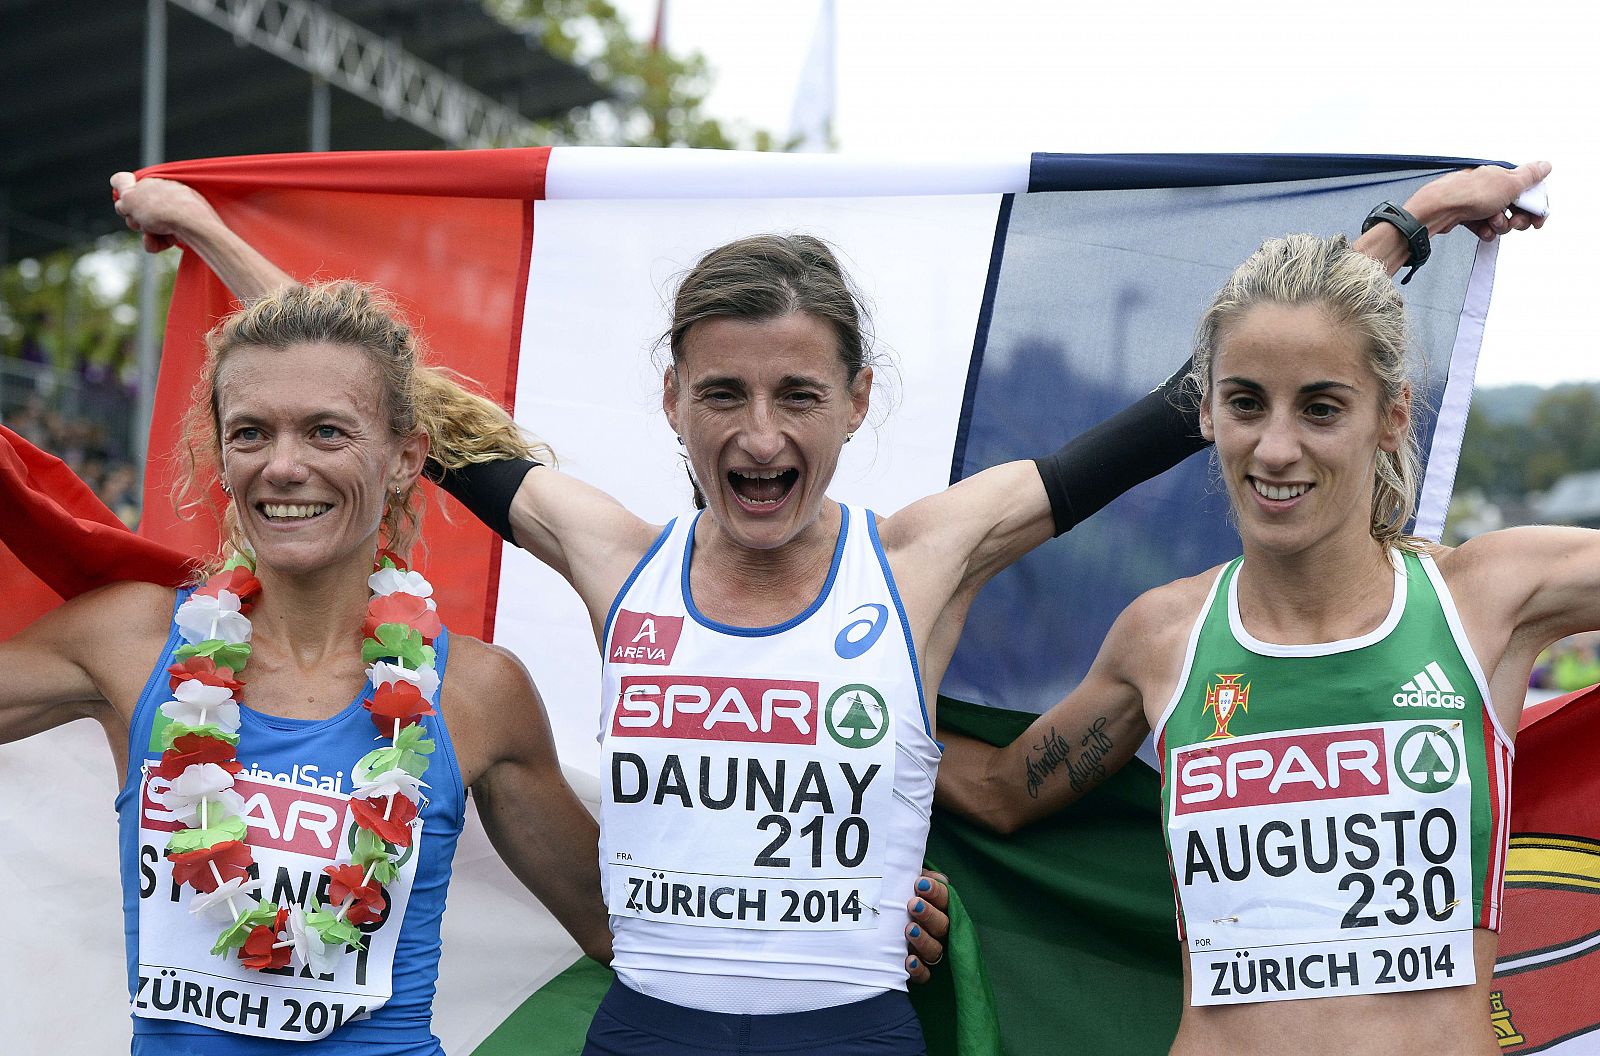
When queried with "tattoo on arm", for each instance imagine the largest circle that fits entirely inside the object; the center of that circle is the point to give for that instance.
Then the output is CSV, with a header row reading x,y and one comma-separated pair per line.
x,y
1055,751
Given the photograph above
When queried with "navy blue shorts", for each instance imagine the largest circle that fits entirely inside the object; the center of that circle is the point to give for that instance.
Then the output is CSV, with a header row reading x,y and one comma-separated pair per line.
x,y
630,1024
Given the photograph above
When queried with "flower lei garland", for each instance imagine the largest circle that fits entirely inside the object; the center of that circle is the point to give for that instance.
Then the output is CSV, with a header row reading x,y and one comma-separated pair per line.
x,y
200,759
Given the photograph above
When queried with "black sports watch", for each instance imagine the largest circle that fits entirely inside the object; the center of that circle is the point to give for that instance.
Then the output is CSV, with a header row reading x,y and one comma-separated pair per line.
x,y
1415,232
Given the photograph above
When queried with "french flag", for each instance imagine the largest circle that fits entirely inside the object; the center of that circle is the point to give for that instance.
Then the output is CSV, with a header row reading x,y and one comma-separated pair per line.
x,y
1020,300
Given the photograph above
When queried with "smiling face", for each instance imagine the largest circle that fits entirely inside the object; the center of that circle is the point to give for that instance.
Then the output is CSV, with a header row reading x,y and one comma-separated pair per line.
x,y
763,408
308,453
1298,418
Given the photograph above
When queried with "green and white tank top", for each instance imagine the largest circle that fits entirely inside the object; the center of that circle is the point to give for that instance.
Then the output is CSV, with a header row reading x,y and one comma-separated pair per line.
x,y
1336,813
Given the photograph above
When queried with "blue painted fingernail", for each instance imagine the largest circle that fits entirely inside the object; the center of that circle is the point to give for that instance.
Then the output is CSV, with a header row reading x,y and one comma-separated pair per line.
x,y
915,931
924,885
913,963
918,907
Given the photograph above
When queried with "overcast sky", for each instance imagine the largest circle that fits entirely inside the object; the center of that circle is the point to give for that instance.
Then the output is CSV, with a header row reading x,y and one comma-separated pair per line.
x,y
1504,81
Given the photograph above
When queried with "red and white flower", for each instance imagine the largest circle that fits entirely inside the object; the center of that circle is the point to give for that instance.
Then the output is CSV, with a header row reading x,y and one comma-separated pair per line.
x,y
220,903
426,679
312,952
388,783
204,670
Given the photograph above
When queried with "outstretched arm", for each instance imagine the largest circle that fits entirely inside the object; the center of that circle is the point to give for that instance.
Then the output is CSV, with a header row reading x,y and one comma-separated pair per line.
x,y
87,658
533,818
46,684
166,212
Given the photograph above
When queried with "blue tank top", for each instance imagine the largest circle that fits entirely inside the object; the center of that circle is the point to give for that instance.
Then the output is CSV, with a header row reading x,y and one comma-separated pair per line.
x,y
295,784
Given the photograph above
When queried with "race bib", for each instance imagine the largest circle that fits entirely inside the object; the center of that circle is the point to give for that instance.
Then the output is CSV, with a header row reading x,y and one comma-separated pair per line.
x,y
1325,863
747,802
298,823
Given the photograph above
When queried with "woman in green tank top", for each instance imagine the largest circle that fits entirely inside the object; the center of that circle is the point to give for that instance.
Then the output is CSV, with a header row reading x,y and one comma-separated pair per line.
x,y
1334,709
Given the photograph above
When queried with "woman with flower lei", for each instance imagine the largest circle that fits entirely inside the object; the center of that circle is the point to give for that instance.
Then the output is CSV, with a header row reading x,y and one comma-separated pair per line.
x,y
308,650
201,736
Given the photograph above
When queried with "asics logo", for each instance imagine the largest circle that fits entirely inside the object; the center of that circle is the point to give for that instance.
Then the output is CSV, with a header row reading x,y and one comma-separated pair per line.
x,y
859,635
1429,688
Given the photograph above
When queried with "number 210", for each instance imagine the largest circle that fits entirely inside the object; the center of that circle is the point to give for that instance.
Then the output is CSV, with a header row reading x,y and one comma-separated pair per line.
x,y
851,831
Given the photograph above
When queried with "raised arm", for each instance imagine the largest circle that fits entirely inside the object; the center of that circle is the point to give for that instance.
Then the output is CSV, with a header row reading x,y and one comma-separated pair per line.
x,y
166,212
581,532
994,517
533,818
1478,199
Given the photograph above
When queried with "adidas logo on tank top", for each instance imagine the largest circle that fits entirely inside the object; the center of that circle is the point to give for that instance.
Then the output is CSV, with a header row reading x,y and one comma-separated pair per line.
x,y
1429,688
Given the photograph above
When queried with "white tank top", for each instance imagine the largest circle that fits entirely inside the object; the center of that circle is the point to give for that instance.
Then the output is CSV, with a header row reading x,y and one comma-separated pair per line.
x,y
766,790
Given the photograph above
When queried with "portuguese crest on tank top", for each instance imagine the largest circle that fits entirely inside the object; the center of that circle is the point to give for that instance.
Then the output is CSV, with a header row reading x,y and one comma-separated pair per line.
x,y
1335,813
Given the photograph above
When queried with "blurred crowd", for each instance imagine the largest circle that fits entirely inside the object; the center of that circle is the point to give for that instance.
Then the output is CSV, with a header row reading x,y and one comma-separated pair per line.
x,y
1572,663
84,445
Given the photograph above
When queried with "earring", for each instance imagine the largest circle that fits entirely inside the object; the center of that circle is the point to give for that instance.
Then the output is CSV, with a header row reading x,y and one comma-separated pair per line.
x,y
680,441
226,490
849,437
397,491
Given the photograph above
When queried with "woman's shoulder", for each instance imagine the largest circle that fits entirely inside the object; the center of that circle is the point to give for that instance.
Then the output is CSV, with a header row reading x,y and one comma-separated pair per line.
x,y
482,664
133,607
1164,615
1177,598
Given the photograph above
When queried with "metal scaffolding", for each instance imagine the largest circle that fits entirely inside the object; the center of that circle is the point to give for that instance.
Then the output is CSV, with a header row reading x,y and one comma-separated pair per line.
x,y
366,65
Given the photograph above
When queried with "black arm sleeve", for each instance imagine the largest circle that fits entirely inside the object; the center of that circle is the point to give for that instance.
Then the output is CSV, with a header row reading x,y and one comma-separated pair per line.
x,y
484,488
1141,441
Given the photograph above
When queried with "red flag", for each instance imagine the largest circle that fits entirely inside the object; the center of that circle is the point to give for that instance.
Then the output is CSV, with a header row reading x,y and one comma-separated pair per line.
x,y
1546,986
58,540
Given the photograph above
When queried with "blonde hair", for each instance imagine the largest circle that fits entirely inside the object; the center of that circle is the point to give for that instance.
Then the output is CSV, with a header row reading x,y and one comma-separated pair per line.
x,y
1355,291
463,426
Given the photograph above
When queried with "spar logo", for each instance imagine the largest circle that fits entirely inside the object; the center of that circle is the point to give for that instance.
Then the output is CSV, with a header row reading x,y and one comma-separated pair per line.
x,y
1294,768
857,716
1226,698
770,710
1426,759
644,638
282,817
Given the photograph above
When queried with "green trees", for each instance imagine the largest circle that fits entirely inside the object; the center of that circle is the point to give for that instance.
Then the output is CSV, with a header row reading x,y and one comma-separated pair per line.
x,y
1512,447
658,96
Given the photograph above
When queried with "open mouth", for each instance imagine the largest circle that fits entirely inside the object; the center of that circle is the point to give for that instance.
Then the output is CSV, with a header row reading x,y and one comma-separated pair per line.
x,y
758,488
290,512
1278,492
